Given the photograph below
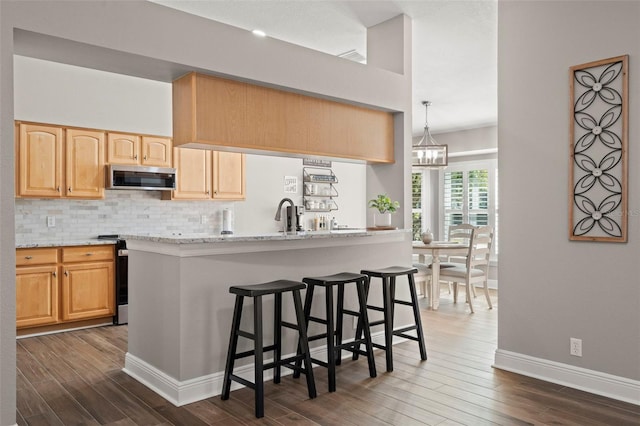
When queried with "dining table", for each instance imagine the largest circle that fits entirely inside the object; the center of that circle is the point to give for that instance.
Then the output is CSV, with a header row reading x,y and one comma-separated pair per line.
x,y
436,249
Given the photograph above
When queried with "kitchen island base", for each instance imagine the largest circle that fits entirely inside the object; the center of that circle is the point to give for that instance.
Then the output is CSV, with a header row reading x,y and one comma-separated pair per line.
x,y
181,309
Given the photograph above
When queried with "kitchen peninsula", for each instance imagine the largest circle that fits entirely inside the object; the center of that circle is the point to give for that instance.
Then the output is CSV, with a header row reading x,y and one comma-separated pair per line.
x,y
181,309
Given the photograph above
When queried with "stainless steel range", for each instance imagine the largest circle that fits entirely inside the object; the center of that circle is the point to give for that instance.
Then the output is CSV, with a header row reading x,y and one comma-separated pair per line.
x,y
122,273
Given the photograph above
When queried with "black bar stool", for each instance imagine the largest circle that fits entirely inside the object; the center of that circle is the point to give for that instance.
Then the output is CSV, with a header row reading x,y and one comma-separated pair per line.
x,y
256,292
333,334
388,276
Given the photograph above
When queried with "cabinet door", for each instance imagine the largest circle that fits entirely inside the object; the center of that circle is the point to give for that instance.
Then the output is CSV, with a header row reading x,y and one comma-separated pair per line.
x,y
123,148
88,291
85,164
40,161
193,180
36,295
228,175
156,151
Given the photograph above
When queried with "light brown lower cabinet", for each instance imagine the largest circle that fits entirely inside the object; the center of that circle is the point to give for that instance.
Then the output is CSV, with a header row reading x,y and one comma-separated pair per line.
x,y
64,284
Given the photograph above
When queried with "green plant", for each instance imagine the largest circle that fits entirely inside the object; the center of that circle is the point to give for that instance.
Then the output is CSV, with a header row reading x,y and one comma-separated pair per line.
x,y
384,204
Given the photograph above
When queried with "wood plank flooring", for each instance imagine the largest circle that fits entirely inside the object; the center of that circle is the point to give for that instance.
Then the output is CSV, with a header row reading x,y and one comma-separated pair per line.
x,y
75,378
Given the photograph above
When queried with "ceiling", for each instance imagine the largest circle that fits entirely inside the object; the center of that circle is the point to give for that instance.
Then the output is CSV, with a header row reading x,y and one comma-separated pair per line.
x,y
454,45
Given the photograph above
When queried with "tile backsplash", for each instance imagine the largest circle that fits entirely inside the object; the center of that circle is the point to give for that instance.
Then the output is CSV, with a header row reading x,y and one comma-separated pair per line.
x,y
120,212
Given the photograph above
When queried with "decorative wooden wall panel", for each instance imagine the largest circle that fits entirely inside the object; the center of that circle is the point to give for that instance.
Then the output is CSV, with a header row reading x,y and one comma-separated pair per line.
x,y
598,140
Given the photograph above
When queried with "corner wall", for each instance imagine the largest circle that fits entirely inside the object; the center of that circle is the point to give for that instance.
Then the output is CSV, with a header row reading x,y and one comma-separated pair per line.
x,y
551,288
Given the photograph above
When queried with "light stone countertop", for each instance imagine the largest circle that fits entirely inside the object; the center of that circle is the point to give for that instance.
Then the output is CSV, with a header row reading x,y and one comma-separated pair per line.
x,y
199,238
62,243
178,238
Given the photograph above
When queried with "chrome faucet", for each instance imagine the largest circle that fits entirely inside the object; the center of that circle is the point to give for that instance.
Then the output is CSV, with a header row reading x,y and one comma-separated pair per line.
x,y
292,218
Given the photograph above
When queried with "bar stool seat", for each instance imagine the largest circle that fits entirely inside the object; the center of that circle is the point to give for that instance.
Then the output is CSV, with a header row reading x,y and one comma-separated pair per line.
x,y
388,276
256,291
333,333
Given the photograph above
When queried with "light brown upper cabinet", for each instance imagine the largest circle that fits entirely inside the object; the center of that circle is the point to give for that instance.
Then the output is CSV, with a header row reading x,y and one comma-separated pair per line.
x,y
85,164
213,111
206,175
125,148
228,176
54,161
39,166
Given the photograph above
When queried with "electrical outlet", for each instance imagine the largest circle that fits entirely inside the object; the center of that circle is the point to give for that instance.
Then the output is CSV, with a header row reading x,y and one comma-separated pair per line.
x,y
575,346
204,219
51,221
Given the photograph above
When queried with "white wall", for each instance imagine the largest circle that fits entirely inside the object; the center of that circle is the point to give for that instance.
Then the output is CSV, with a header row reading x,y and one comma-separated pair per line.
x,y
551,288
85,97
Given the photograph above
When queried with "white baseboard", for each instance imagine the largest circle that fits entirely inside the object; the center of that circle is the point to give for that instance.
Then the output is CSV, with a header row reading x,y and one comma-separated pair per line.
x,y
604,384
185,392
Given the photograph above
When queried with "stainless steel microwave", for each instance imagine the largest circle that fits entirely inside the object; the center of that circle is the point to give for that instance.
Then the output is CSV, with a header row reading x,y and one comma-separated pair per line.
x,y
141,177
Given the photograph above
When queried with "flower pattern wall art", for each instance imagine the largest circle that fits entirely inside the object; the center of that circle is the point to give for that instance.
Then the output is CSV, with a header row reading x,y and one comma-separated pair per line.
x,y
598,165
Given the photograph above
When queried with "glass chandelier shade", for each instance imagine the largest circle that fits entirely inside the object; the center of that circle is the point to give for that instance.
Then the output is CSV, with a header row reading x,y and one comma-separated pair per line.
x,y
428,153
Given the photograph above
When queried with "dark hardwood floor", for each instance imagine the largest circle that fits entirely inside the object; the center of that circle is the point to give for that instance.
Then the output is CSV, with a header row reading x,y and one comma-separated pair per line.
x,y
75,378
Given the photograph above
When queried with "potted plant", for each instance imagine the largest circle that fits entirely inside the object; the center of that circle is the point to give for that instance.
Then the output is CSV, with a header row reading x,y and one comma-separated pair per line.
x,y
384,205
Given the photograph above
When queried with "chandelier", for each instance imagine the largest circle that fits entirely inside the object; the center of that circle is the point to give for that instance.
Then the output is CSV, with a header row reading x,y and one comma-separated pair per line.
x,y
427,153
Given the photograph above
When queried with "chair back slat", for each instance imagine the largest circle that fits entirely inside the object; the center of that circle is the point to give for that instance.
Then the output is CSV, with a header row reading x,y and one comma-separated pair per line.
x,y
480,247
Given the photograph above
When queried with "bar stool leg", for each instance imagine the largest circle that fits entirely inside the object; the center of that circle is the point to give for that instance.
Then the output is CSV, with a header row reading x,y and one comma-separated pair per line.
x,y
233,344
307,313
416,316
339,322
259,356
388,322
277,337
356,355
362,299
331,352
304,344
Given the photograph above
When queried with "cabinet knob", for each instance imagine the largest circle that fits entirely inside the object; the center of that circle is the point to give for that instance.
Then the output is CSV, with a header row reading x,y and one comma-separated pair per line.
x,y
58,188
55,274
207,192
66,273
28,257
215,192
89,254
69,189
145,157
135,156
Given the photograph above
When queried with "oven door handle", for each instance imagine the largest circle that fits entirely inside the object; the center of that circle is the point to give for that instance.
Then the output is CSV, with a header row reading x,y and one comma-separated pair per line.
x,y
123,253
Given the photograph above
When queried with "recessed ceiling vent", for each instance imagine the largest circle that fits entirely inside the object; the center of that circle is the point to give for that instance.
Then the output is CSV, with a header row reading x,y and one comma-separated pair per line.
x,y
354,56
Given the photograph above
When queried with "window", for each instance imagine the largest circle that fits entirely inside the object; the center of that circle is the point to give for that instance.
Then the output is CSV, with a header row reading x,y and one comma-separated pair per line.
x,y
417,203
468,195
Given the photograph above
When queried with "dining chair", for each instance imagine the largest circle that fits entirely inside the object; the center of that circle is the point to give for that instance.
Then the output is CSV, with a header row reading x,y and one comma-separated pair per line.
x,y
476,268
460,233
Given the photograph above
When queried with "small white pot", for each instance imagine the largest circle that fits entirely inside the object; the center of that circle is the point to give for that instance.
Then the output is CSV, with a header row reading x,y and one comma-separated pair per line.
x,y
381,219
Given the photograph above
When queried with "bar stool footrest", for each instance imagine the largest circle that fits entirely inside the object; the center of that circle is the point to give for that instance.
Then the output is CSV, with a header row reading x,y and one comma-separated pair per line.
x,y
402,330
243,381
403,302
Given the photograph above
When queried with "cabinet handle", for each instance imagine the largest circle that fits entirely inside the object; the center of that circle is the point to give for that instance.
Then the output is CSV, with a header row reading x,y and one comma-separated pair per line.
x,y
135,156
207,192
28,257
66,273
89,254
58,188
55,274
145,157
69,189
215,192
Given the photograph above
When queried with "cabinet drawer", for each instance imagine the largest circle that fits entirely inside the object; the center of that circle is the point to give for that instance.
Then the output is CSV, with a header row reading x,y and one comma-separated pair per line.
x,y
36,256
87,253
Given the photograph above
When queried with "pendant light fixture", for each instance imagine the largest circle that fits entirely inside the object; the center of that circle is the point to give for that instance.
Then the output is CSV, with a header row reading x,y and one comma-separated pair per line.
x,y
427,153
